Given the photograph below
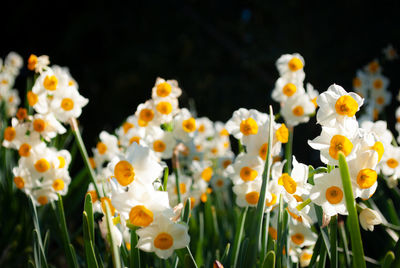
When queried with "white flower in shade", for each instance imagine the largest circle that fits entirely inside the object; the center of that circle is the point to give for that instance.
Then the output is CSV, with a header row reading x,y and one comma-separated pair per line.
x,y
38,102
138,163
160,141
305,257
258,144
378,82
13,101
43,196
369,218
373,67
379,128
247,194
328,193
134,134
141,205
16,134
246,168
389,164
106,148
245,123
51,82
13,63
205,127
198,192
218,146
361,84
185,183
333,140
23,179
303,216
392,182
380,99
130,122
291,65
166,88
220,183
145,114
47,126
38,64
202,170
68,105
312,94
390,52
163,237
337,106
294,184
184,125
301,235
116,233
59,182
64,158
165,109
297,110
286,88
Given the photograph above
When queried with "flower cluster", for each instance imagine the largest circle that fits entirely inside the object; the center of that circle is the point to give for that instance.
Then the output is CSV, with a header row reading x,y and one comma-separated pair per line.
x,y
42,171
129,166
297,104
9,70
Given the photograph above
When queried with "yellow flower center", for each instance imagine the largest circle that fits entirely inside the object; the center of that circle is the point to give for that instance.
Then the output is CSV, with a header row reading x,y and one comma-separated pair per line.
x,y
67,104
297,238
288,183
206,174
377,84
263,151
134,139
146,115
101,147
50,82
42,165
338,144
163,241
392,163
58,185
295,64
9,133
94,196
92,162
366,178
103,201
32,98
305,256
127,126
226,163
224,132
289,89
373,66
220,182
124,172
182,188
294,216
140,216
357,82
62,161
164,107
39,125
24,150
298,110
159,146
272,202
32,61
314,101
252,197
163,89
22,113
43,200
203,197
282,134
334,195
201,128
378,147
248,174
19,182
346,105
380,100
189,125
249,127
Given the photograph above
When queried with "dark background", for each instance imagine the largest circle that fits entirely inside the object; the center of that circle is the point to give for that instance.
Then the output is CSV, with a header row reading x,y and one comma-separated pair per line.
x,y
222,53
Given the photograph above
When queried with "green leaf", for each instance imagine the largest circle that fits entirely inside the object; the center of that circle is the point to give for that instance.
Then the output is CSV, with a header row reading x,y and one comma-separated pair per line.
x,y
333,242
352,220
317,248
88,207
343,236
388,260
238,237
113,246
134,254
165,180
186,212
186,257
269,260
88,242
225,255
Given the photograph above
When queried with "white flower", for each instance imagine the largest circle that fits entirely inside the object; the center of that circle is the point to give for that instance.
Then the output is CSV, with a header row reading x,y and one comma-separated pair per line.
x,y
380,99
312,94
145,114
47,126
106,148
160,141
38,64
297,109
305,257
165,109
291,65
13,63
373,67
184,125
163,237
68,105
390,53
247,194
166,88
369,218
245,168
361,84
286,88
185,184
328,193
389,164
337,106
301,235
202,170
116,233
134,134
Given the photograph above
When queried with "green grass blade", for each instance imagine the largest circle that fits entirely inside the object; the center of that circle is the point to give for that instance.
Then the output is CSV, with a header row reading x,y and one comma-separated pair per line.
x,y
165,180
88,207
225,255
186,212
317,248
114,248
269,260
134,252
388,260
238,237
352,220
333,241
343,236
88,243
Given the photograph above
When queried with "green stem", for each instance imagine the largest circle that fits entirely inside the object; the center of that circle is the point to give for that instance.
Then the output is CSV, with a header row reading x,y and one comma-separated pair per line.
x,y
135,254
114,248
178,189
84,154
352,220
345,243
333,241
288,151
238,237
304,204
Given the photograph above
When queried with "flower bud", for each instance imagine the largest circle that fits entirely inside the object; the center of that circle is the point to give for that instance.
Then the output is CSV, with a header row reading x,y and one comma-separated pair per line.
x,y
369,218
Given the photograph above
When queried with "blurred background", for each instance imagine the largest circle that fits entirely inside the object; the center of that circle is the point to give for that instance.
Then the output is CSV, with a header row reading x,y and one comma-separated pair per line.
x,y
222,53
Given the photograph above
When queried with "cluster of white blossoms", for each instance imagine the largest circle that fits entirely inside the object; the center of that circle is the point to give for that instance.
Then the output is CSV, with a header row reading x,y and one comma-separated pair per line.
x,y
9,70
129,167
42,171
297,104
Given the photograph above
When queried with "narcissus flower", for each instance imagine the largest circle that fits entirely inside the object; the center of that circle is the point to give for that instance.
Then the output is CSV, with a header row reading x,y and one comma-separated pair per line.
x,y
297,110
337,106
369,218
390,52
68,105
245,168
163,237
389,164
166,88
106,148
160,141
47,126
291,65
184,125
286,88
301,235
328,193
